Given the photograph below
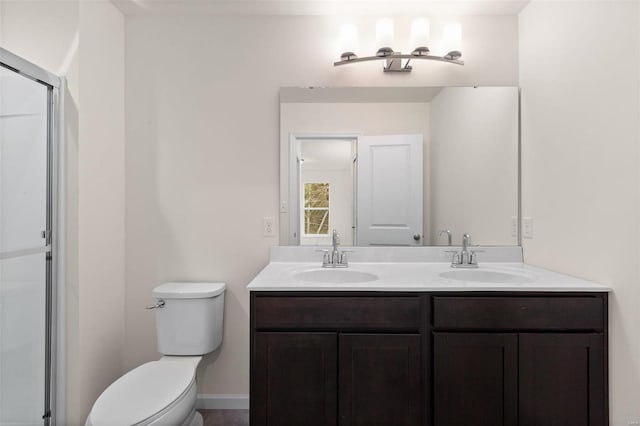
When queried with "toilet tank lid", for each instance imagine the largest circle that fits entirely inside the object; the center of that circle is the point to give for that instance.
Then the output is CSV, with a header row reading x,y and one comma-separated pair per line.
x,y
188,290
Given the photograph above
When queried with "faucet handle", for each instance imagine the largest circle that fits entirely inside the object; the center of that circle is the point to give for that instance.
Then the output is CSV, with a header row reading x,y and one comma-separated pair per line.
x,y
325,257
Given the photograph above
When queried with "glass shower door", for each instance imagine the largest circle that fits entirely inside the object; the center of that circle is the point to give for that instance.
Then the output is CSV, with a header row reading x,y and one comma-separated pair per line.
x,y
25,251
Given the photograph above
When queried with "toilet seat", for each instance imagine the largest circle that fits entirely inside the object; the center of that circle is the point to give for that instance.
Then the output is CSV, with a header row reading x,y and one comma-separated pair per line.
x,y
146,394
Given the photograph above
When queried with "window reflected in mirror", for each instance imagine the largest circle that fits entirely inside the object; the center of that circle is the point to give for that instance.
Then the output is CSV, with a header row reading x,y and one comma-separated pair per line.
x,y
316,209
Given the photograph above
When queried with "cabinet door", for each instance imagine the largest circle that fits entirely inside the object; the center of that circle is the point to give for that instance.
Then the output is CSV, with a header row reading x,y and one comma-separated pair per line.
x,y
380,379
562,380
295,379
475,379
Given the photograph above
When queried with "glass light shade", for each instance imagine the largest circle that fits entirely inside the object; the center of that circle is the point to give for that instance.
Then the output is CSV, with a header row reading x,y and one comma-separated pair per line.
x,y
348,38
384,32
420,33
452,37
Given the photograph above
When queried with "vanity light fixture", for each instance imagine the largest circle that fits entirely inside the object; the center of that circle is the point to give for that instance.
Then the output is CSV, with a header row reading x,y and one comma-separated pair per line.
x,y
395,61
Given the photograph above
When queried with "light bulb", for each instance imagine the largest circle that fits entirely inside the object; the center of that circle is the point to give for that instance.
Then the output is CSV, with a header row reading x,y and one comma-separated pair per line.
x,y
452,37
419,33
384,32
348,38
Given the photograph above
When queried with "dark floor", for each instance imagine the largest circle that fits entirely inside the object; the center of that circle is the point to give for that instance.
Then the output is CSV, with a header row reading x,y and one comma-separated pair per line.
x,y
225,417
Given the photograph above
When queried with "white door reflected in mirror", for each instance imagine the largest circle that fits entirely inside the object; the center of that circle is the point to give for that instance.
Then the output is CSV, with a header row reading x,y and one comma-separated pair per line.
x,y
369,189
389,190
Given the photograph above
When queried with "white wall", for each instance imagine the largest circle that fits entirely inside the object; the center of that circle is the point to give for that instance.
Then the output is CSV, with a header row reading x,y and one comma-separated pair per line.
x,y
203,147
474,164
101,188
84,42
579,73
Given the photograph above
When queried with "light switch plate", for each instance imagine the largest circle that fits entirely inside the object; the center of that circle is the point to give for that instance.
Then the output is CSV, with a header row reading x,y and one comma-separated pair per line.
x,y
283,206
527,227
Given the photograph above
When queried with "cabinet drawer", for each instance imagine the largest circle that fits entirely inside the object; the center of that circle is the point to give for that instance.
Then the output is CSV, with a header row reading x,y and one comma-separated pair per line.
x,y
513,313
349,313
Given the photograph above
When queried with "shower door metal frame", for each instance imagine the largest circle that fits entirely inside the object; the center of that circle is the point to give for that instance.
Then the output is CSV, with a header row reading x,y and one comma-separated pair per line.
x,y
55,360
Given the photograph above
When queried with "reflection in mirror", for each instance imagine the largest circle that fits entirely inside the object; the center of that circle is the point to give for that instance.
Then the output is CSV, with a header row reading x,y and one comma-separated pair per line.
x,y
326,189
399,166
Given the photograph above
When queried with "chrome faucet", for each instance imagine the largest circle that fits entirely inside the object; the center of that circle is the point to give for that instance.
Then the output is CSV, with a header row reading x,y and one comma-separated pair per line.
x,y
335,258
465,258
448,232
335,241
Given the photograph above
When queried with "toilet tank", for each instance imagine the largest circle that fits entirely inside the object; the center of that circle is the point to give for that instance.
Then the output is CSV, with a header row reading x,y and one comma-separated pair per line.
x,y
190,322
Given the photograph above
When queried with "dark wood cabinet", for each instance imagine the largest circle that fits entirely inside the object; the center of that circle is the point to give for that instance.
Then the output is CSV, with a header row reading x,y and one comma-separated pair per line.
x,y
562,379
475,379
379,380
514,360
295,379
433,359
345,359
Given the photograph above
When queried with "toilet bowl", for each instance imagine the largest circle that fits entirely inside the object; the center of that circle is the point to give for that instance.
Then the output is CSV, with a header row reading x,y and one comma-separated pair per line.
x,y
156,393
163,392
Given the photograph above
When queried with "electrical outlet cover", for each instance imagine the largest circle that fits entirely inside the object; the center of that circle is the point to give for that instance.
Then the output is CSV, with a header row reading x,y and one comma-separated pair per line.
x,y
268,227
514,226
527,227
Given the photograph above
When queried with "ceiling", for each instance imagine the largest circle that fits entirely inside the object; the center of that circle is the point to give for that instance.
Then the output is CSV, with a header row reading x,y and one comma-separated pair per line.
x,y
320,7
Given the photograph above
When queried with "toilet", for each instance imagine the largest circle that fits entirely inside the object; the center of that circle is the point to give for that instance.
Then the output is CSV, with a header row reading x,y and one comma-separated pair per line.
x,y
163,392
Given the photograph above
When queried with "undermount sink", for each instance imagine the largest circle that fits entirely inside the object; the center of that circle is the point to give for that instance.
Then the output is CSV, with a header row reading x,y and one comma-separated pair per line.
x,y
335,276
485,276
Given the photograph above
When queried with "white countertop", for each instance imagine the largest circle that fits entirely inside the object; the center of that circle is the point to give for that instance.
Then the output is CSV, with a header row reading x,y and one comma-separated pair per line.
x,y
280,275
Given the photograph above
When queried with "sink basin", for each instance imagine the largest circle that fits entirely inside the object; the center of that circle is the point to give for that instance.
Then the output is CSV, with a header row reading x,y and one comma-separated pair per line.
x,y
335,276
485,276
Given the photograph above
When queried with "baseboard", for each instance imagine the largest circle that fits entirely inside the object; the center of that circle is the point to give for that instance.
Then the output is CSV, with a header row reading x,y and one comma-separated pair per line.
x,y
223,402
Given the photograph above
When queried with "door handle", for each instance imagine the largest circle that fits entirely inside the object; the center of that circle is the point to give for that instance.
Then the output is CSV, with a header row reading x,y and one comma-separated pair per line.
x,y
416,237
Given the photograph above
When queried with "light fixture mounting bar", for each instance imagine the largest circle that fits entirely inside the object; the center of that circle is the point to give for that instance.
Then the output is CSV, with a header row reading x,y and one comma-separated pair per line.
x,y
394,61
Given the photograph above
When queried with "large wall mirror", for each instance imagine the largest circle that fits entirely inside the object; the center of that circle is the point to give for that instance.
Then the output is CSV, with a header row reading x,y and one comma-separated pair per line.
x,y
401,166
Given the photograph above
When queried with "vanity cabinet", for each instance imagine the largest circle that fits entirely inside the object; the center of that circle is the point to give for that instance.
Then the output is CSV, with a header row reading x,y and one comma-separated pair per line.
x,y
475,379
381,358
337,360
295,379
525,361
379,379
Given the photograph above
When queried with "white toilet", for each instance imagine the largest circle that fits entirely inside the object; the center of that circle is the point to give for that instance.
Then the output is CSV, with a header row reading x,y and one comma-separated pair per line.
x,y
163,392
